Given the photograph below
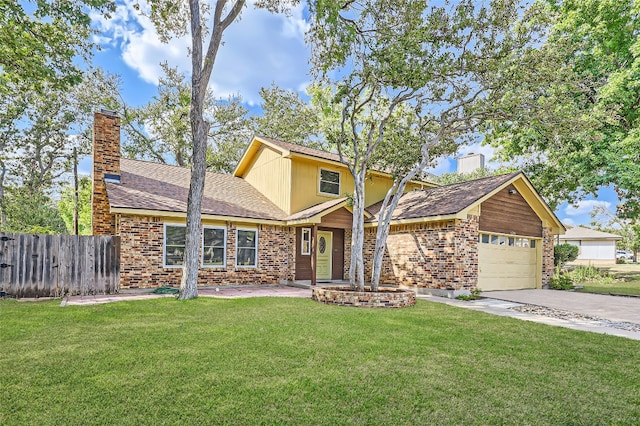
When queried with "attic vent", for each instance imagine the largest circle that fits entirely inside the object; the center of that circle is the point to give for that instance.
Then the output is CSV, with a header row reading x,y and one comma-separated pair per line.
x,y
109,178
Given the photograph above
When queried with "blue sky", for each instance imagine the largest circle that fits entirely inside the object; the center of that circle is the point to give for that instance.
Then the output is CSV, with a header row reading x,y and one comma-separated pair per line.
x,y
258,50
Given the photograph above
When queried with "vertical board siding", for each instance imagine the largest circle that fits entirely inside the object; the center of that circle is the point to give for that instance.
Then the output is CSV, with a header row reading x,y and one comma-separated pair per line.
x,y
507,213
55,265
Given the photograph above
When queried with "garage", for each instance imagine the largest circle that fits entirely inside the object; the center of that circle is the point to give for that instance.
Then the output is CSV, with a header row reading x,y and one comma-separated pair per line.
x,y
507,262
509,242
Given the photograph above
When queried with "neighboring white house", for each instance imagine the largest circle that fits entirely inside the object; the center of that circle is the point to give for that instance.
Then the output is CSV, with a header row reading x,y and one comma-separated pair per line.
x,y
595,246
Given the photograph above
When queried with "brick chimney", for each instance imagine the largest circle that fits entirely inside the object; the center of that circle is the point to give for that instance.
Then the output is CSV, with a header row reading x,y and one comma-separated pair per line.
x,y
106,168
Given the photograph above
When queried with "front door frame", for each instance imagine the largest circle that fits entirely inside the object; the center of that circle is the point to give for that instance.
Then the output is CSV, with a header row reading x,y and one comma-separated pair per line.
x,y
329,241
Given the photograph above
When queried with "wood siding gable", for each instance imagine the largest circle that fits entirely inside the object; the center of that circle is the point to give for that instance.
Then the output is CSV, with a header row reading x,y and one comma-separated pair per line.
x,y
507,212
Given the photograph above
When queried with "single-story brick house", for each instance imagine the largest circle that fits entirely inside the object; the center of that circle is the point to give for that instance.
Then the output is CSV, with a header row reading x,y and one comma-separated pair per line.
x,y
282,216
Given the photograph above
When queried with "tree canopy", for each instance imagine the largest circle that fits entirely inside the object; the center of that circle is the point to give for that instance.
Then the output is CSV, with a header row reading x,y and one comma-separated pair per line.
x,y
41,40
579,129
39,133
413,81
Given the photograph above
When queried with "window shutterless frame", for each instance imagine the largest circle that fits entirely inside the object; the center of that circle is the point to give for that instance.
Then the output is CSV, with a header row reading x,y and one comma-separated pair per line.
x,y
214,247
246,248
305,241
329,182
173,245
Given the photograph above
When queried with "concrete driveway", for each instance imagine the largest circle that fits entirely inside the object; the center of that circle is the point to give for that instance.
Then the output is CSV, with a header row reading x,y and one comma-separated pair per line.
x,y
613,308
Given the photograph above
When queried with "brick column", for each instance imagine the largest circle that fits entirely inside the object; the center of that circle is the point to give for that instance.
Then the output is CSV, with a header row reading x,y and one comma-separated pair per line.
x,y
547,256
106,161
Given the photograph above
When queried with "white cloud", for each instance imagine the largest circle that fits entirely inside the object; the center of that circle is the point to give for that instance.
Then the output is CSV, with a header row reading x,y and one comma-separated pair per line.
x,y
585,207
259,49
443,165
568,221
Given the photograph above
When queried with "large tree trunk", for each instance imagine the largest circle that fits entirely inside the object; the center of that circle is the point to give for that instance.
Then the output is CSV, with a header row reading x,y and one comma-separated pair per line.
x,y
189,283
356,269
389,204
200,74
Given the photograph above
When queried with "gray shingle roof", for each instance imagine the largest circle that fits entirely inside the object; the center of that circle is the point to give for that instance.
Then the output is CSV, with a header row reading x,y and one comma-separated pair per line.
x,y
443,200
152,186
582,233
314,210
300,149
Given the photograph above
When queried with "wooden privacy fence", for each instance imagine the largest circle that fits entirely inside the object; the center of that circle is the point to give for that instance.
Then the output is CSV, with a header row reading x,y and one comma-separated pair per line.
x,y
55,265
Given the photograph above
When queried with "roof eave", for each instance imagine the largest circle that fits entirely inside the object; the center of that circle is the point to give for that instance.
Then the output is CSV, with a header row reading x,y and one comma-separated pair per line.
x,y
251,151
205,216
413,221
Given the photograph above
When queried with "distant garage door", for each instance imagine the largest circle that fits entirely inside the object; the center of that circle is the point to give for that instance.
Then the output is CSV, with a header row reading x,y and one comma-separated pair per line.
x,y
507,262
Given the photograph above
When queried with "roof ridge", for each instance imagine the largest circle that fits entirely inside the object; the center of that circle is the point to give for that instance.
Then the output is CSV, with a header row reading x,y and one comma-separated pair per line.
x,y
481,178
177,166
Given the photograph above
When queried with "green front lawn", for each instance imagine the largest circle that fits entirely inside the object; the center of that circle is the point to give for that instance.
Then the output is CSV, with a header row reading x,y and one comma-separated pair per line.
x,y
616,279
295,361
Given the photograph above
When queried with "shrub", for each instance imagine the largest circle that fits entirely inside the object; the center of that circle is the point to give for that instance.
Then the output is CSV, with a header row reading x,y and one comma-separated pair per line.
x,y
590,274
561,282
587,273
475,295
563,253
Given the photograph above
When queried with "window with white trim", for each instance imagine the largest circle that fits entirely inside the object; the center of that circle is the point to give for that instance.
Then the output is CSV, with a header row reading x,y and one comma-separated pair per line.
x,y
305,241
247,248
329,182
174,244
214,250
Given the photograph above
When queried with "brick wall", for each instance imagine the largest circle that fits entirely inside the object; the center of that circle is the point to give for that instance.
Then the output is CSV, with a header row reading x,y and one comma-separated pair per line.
x,y
434,255
141,256
547,256
106,159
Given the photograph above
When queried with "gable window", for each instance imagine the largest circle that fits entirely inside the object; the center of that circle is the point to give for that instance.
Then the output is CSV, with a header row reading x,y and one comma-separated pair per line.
x,y
305,244
247,247
213,246
329,182
174,243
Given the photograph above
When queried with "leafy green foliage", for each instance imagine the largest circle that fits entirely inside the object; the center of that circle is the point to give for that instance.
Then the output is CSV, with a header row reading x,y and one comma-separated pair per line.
x,y
450,178
66,206
288,117
412,81
39,132
563,253
206,30
41,41
473,295
616,279
160,131
590,273
628,229
561,281
580,89
30,212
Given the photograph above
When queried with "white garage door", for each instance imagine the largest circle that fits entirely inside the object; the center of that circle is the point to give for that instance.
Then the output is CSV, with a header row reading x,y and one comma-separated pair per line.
x,y
507,262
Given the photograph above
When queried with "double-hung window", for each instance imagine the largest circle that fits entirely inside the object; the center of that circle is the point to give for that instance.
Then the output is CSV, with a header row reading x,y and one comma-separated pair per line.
x,y
174,243
214,247
247,248
329,182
